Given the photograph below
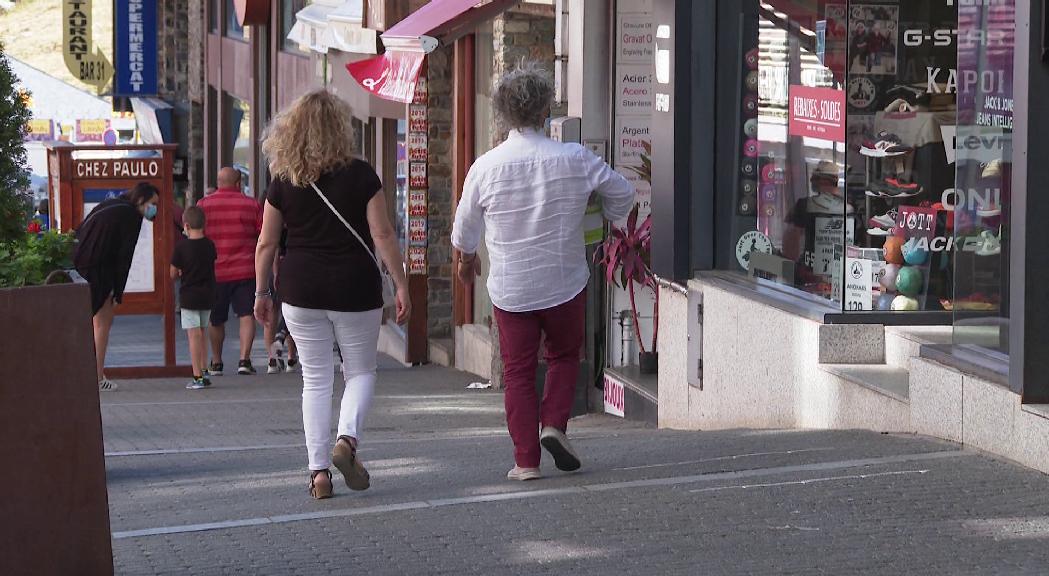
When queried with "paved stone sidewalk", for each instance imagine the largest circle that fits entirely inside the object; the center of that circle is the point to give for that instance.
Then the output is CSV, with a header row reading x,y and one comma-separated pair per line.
x,y
214,482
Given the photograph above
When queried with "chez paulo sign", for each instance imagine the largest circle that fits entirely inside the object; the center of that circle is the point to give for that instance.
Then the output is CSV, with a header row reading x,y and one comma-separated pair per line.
x,y
117,168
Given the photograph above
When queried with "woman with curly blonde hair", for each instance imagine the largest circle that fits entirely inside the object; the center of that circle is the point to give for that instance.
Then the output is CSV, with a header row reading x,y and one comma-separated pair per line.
x,y
331,204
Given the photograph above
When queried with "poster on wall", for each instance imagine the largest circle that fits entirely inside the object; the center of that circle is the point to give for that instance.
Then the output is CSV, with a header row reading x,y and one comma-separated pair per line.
x,y
817,113
635,38
634,90
416,260
873,39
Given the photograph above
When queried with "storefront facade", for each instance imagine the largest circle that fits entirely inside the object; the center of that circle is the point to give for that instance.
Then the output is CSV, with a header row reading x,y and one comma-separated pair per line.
x,y
837,215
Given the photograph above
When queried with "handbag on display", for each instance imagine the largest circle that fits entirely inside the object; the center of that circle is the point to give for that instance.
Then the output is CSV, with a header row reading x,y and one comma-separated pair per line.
x,y
389,290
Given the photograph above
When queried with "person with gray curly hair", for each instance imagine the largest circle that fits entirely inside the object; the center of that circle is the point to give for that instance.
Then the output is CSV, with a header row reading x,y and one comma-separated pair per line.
x,y
528,197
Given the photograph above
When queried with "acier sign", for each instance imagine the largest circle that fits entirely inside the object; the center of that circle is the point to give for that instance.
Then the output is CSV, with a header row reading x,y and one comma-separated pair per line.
x,y
136,48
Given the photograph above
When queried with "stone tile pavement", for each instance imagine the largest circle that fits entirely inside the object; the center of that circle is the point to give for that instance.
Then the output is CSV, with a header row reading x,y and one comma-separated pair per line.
x,y
214,482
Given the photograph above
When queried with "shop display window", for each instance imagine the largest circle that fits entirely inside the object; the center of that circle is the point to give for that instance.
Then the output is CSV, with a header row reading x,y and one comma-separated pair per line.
x,y
856,121
238,139
233,27
981,198
288,10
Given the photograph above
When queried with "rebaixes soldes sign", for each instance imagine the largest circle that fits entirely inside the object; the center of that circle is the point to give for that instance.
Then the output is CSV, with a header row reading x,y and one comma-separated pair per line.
x,y
817,113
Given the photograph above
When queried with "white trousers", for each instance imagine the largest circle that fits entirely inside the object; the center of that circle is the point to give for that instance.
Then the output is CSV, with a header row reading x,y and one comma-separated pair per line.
x,y
357,334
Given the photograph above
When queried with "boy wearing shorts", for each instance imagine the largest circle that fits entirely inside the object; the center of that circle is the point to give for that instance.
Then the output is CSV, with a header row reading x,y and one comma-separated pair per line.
x,y
194,262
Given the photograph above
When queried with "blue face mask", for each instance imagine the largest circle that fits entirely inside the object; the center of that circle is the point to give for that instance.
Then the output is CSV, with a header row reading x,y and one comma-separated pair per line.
x,y
151,212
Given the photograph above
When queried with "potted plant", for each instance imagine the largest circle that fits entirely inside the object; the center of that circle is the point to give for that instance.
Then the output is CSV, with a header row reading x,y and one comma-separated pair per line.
x,y
625,255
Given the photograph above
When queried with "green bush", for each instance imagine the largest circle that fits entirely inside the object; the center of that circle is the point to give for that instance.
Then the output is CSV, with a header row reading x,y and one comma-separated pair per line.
x,y
27,261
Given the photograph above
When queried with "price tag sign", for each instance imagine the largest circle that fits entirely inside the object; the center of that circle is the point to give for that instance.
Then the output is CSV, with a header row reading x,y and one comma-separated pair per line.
x,y
858,278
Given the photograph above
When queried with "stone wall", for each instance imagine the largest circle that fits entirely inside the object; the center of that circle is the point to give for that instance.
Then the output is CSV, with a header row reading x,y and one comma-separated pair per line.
x,y
180,71
439,173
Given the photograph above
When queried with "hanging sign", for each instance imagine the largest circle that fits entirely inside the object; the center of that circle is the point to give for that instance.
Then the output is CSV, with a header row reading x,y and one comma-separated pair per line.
x,y
136,48
84,61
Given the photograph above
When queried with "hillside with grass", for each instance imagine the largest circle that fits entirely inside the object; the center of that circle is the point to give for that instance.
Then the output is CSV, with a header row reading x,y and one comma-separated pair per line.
x,y
32,32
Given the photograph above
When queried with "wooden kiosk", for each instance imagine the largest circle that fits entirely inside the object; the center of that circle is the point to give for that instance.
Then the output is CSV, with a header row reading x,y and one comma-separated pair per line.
x,y
81,177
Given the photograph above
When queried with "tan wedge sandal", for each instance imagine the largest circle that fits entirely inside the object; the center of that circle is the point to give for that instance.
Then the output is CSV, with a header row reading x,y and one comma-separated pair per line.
x,y
320,484
344,456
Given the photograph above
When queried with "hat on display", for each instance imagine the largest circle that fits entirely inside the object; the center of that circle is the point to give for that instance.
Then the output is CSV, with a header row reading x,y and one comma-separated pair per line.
x,y
828,169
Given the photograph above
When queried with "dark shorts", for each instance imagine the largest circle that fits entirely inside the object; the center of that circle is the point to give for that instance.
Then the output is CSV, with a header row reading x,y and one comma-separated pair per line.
x,y
239,294
101,282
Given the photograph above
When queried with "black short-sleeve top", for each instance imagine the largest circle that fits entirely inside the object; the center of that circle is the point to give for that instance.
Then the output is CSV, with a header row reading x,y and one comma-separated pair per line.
x,y
325,267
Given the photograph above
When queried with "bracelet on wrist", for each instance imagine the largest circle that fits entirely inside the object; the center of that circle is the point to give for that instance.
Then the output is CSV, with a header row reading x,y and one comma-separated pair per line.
x,y
265,294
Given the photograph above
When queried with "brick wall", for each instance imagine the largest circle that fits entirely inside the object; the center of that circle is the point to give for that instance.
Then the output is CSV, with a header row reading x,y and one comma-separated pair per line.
x,y
439,172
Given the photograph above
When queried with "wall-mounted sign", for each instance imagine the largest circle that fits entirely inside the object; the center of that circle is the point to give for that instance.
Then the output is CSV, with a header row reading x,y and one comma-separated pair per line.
x,y
117,168
749,243
136,48
417,203
91,130
417,175
817,113
417,117
417,232
417,260
38,130
417,146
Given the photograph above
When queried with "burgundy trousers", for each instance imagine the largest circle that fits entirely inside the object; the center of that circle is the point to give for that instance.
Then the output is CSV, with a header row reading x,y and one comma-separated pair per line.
x,y
520,334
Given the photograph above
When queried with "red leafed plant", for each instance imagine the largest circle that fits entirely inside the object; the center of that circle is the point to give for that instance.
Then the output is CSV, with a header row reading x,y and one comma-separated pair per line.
x,y
626,258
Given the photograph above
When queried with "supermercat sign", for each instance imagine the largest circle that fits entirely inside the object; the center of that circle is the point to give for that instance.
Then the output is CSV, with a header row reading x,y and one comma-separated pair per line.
x,y
117,168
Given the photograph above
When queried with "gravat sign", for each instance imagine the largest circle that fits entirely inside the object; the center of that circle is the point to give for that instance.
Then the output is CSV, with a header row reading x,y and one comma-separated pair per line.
x,y
117,168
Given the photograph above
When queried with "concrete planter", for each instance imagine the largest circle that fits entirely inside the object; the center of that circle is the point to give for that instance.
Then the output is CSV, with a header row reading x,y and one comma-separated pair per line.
x,y
53,475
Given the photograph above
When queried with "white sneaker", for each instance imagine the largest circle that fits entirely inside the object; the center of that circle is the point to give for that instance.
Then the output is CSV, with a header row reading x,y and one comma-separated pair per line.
x,y
273,367
523,474
106,385
990,245
557,444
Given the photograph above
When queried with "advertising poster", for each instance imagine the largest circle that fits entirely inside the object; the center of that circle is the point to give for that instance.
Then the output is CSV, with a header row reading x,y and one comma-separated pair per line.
x,y
636,39
417,175
416,260
91,130
417,118
417,146
141,278
417,203
40,131
817,113
873,39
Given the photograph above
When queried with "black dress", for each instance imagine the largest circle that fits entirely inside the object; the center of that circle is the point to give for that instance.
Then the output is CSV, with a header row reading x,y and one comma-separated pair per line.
x,y
106,242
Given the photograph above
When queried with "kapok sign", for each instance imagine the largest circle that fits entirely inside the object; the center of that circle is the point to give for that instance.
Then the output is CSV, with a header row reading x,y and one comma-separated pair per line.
x,y
817,113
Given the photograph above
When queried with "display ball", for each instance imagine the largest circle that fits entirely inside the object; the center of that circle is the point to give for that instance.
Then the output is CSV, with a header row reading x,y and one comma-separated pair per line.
x,y
888,276
914,253
903,303
909,281
894,250
885,301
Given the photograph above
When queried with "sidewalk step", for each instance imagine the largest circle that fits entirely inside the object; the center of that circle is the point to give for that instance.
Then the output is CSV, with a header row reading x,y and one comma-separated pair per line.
x,y
891,381
641,394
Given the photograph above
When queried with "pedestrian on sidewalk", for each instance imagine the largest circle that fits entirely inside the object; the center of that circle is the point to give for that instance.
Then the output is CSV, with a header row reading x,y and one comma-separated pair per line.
x,y
193,262
106,241
233,224
528,197
275,332
332,204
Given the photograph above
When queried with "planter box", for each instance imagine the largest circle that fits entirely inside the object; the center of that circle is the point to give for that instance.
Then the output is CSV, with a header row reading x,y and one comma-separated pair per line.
x,y
54,506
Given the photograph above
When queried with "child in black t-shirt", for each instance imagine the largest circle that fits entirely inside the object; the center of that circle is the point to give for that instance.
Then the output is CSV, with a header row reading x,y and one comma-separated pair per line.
x,y
194,262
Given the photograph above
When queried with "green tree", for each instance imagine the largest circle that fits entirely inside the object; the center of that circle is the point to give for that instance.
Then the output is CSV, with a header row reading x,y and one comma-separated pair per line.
x,y
14,176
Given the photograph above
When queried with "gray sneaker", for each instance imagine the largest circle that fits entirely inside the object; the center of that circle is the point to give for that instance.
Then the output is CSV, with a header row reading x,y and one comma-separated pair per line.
x,y
196,384
106,385
557,444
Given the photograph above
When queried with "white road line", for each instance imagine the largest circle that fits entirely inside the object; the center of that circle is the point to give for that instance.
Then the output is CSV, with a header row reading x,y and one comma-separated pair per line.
x,y
809,481
720,458
295,399
525,494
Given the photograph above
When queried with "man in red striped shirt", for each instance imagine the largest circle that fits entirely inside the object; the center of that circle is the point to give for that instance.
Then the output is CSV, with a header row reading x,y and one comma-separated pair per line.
x,y
233,223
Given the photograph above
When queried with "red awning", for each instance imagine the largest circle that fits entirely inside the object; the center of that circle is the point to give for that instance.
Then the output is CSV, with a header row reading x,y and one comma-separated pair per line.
x,y
393,74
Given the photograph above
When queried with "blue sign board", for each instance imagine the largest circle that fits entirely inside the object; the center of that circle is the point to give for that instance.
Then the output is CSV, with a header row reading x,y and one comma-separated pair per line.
x,y
136,48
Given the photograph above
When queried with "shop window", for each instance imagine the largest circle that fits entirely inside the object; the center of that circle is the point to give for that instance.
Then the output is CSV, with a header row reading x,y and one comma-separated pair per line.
x,y
238,148
981,198
233,27
288,10
213,15
846,168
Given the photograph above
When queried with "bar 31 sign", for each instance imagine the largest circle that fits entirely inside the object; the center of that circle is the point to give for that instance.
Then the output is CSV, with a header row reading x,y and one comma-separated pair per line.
x,y
136,48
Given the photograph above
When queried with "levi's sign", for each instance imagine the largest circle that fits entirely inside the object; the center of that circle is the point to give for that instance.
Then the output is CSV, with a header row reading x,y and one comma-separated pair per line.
x,y
116,169
817,113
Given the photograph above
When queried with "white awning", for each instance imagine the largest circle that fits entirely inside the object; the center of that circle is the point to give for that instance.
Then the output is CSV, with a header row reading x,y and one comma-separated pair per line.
x,y
310,25
346,31
333,25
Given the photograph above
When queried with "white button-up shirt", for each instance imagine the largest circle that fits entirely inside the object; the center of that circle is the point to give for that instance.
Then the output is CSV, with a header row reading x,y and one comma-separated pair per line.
x,y
529,196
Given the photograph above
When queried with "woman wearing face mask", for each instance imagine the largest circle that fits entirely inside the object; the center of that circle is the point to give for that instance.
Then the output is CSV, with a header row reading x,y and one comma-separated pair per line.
x,y
106,242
